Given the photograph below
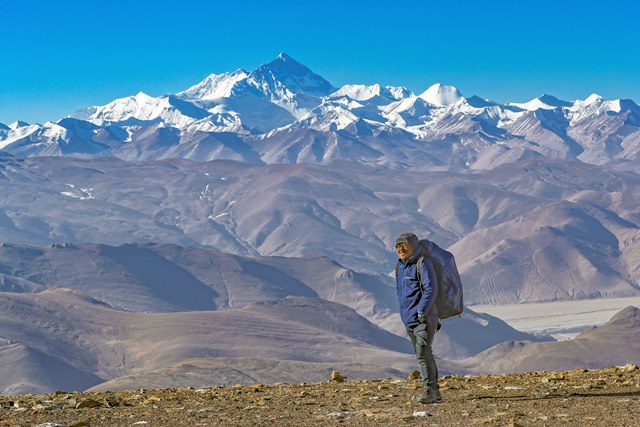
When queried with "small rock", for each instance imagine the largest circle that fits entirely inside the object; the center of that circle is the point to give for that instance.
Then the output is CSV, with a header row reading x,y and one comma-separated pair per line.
x,y
557,377
50,425
113,401
343,414
152,399
422,414
414,375
336,377
88,403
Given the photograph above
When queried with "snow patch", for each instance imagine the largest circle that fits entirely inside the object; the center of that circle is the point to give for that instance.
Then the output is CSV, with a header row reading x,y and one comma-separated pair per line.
x,y
78,193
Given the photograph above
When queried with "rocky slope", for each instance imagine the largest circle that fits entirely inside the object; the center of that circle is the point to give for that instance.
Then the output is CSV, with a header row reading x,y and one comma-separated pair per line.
x,y
608,397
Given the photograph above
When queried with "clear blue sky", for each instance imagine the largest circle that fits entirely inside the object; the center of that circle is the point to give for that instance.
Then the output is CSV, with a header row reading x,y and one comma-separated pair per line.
x,y
58,56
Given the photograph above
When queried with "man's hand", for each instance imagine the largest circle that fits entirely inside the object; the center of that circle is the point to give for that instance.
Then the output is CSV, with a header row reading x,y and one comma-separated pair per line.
x,y
422,318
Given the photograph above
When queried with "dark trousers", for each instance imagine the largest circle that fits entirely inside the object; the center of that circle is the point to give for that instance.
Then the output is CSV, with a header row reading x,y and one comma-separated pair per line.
x,y
421,338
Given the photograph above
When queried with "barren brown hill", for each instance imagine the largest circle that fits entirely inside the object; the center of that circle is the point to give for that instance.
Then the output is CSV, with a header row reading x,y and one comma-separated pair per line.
x,y
609,397
532,231
615,343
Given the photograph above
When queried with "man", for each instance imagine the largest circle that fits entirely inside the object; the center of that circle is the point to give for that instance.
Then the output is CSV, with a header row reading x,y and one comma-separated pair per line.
x,y
417,293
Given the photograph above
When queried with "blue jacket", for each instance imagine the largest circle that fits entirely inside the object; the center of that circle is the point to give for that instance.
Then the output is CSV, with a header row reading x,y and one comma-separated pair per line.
x,y
413,298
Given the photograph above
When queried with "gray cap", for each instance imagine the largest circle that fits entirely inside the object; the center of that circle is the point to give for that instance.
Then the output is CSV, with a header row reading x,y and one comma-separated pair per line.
x,y
408,238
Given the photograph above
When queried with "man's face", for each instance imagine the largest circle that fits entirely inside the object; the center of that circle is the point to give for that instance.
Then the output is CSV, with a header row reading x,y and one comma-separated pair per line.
x,y
404,251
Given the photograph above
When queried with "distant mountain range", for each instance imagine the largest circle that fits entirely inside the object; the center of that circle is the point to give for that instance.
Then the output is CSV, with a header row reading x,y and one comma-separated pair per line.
x,y
282,112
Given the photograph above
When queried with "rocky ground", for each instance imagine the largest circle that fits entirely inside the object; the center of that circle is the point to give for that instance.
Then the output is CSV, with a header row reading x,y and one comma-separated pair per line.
x,y
609,397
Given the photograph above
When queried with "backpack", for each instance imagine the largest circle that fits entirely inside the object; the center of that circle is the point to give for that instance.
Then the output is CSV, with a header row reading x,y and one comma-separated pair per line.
x,y
449,299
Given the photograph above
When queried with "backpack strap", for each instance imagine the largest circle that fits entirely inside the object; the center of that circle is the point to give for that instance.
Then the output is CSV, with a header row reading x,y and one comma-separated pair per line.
x,y
418,272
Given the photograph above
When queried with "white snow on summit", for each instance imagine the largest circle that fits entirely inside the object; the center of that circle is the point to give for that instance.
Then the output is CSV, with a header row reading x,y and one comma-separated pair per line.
x,y
214,86
18,124
595,105
544,102
364,92
18,133
441,95
289,73
592,99
143,109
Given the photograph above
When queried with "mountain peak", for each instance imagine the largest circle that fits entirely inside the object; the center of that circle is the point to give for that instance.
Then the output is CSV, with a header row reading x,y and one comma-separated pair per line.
x,y
285,63
294,75
283,56
441,95
553,101
18,124
363,92
477,102
215,86
543,102
593,98
143,97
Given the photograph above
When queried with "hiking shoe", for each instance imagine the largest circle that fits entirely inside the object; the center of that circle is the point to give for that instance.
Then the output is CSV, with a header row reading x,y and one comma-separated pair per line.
x,y
431,395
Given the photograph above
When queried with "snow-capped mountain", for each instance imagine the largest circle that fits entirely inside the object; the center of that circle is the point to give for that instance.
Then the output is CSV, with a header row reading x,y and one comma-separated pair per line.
x,y
284,112
214,86
441,96
273,95
141,110
369,93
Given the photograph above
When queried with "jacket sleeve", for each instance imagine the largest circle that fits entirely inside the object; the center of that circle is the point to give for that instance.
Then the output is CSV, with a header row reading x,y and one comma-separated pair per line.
x,y
430,288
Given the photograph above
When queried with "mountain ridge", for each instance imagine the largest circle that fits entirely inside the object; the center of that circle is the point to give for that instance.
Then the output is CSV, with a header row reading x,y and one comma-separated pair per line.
x,y
262,105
